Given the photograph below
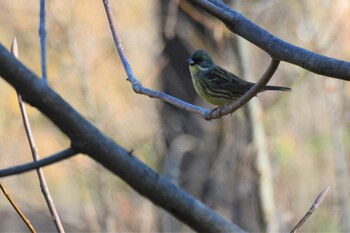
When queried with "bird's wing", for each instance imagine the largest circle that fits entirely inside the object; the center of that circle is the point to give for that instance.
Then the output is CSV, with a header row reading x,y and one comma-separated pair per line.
x,y
225,80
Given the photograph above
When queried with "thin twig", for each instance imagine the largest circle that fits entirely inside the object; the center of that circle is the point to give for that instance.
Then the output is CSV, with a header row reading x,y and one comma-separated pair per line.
x,y
20,213
43,185
16,170
312,209
42,34
136,85
205,113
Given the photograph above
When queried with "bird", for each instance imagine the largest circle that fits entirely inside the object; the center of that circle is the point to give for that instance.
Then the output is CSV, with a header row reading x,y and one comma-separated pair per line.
x,y
215,84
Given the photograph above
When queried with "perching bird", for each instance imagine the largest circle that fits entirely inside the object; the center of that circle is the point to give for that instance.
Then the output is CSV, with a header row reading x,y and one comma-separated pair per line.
x,y
217,85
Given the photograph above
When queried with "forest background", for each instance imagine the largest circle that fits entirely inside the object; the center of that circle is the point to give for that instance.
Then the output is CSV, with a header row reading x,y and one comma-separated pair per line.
x,y
300,138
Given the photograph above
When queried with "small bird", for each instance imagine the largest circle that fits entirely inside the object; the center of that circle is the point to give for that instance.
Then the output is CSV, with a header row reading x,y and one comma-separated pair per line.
x,y
217,85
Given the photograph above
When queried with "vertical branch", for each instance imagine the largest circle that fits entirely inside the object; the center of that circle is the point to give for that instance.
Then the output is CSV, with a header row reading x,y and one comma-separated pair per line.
x,y
23,217
35,154
42,34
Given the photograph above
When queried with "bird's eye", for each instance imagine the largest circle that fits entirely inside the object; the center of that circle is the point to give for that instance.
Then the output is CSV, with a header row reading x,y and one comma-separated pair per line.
x,y
199,60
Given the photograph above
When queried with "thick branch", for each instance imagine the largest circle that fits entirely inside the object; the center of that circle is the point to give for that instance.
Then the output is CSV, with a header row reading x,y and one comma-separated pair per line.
x,y
87,139
277,48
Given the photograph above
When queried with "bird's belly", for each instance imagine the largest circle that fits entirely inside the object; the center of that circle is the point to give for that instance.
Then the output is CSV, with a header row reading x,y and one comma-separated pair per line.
x,y
206,94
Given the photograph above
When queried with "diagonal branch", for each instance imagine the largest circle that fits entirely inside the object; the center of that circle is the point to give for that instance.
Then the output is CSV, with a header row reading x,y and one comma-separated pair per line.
x,y
16,170
87,139
19,212
277,48
312,209
43,185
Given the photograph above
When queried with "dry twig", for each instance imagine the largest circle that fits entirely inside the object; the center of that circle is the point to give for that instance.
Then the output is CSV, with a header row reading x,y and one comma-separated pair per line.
x,y
35,154
312,209
20,213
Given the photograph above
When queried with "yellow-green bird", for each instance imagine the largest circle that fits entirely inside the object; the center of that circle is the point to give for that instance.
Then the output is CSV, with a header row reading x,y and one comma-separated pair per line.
x,y
217,85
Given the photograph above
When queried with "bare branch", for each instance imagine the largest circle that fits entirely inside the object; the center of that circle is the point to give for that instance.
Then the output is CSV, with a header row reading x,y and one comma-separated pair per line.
x,y
42,34
205,113
16,170
19,212
277,48
43,185
136,85
312,209
224,110
88,139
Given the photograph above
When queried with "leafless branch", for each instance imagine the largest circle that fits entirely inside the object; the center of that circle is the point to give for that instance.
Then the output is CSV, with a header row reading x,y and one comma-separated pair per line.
x,y
136,85
19,212
86,138
67,153
312,209
42,34
224,110
277,48
203,112
35,154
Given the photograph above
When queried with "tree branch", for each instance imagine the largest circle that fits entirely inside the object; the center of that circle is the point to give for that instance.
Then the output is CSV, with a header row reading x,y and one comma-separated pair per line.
x,y
19,212
205,113
277,48
42,34
136,84
312,209
65,154
88,139
43,185
224,110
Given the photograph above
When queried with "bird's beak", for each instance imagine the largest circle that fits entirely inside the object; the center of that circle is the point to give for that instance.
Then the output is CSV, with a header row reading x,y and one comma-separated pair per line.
x,y
190,61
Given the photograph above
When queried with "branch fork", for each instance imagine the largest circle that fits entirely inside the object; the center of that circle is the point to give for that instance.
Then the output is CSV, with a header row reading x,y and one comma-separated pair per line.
x,y
203,112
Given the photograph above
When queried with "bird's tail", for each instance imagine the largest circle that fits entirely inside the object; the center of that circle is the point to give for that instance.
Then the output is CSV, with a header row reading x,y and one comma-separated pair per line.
x,y
277,88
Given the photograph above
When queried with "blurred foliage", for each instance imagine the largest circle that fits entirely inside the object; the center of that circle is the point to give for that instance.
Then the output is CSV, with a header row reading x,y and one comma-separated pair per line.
x,y
84,68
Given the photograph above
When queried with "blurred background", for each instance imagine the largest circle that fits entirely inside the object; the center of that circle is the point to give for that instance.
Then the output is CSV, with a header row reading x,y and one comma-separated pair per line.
x,y
261,168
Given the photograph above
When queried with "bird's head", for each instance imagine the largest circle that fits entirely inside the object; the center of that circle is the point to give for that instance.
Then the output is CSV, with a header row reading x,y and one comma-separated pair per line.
x,y
201,60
